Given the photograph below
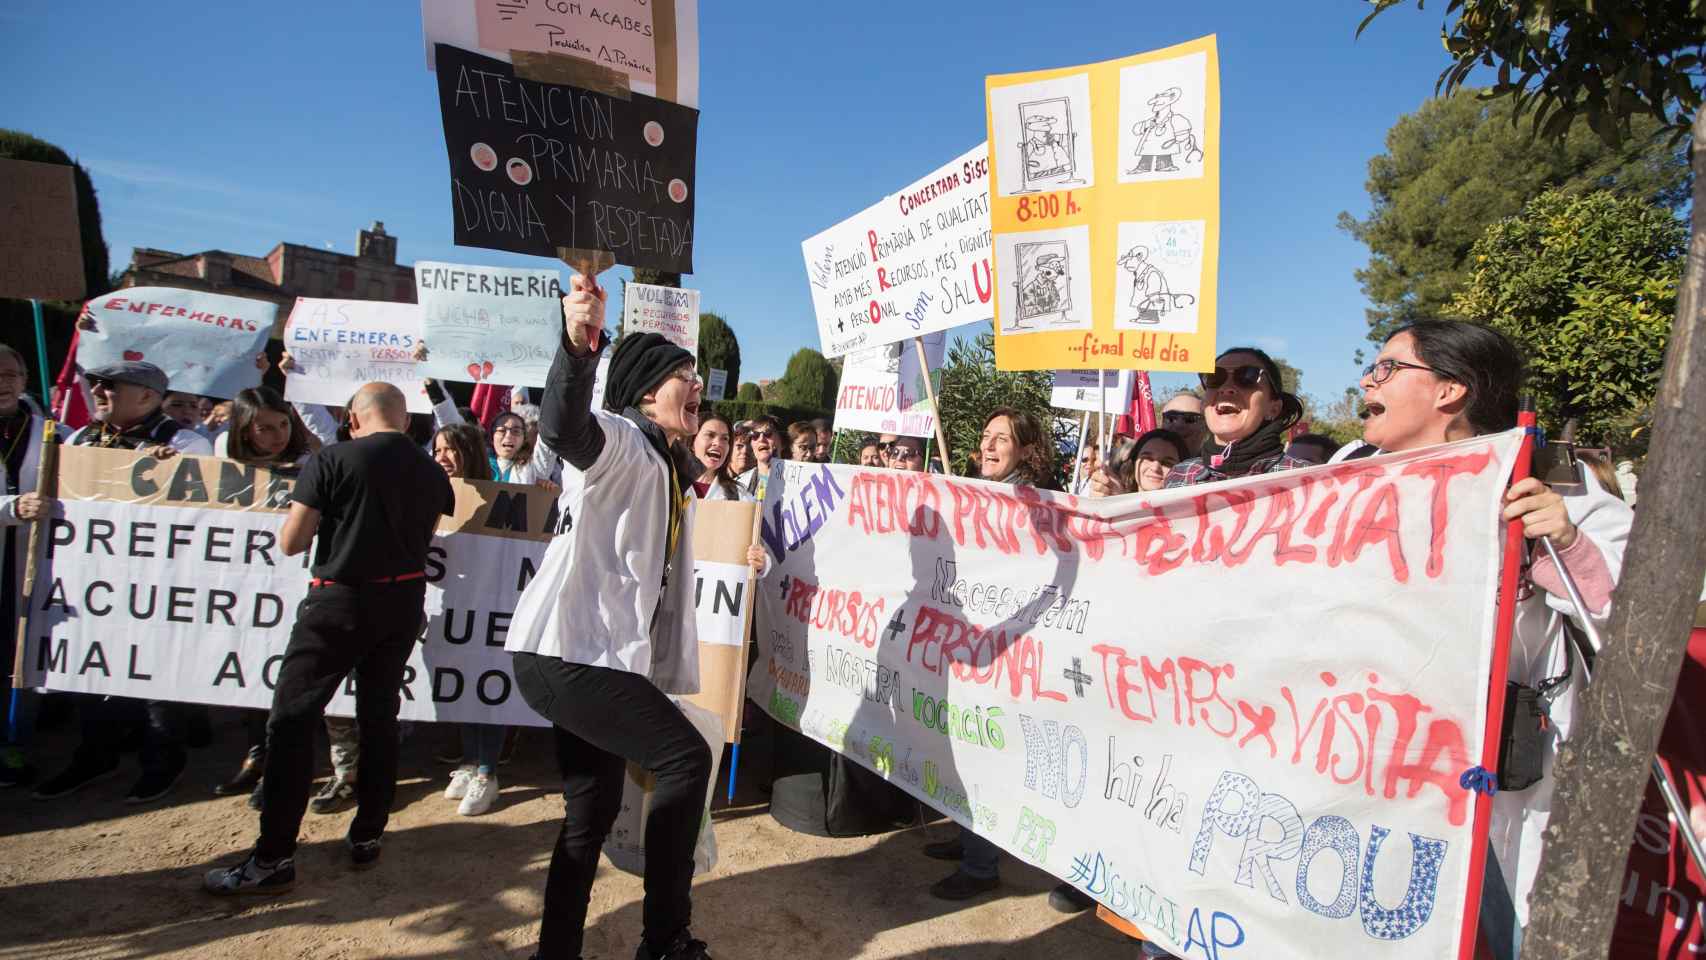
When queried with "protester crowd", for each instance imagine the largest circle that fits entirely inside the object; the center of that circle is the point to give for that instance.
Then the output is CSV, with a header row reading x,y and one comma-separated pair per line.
x,y
372,481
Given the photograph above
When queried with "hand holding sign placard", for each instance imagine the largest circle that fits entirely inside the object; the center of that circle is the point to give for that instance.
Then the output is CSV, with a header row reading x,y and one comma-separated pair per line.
x,y
540,167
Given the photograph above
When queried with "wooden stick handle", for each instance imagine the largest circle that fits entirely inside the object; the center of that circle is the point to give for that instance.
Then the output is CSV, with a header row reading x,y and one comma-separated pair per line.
x,y
47,484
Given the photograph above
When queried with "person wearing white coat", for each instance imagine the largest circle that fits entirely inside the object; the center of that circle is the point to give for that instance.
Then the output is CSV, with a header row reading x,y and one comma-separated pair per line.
x,y
1436,381
20,458
606,631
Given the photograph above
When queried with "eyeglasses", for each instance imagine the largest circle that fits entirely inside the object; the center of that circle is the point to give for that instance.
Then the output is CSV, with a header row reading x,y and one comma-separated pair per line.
x,y
509,429
101,383
1181,416
763,435
687,374
1248,376
1381,371
904,451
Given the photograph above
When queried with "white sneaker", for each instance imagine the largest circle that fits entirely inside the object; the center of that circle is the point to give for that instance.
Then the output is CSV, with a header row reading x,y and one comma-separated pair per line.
x,y
482,793
459,783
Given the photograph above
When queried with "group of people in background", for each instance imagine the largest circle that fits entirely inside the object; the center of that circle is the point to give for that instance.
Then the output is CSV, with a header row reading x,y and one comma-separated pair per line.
x,y
1432,382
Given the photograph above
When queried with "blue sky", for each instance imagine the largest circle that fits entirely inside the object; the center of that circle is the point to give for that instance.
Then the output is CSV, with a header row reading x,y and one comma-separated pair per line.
x,y
241,124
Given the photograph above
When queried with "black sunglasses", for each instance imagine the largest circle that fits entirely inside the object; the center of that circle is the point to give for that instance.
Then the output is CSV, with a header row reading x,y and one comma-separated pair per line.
x,y
1182,416
1247,376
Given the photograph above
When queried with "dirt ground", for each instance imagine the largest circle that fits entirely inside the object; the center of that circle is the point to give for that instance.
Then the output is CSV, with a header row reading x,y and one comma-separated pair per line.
x,y
88,877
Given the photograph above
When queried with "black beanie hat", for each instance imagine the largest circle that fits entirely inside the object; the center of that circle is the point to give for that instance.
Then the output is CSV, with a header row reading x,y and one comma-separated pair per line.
x,y
639,363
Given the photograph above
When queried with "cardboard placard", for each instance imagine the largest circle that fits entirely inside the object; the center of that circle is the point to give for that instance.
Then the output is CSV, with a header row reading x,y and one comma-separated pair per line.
x,y
910,264
41,246
670,311
1106,212
205,342
883,391
618,36
1076,390
338,345
489,324
537,167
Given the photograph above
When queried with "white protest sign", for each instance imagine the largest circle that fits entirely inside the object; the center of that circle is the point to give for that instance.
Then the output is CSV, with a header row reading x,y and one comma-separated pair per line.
x,y
489,324
1234,714
171,586
1076,390
656,45
338,345
913,263
717,385
206,342
669,311
883,391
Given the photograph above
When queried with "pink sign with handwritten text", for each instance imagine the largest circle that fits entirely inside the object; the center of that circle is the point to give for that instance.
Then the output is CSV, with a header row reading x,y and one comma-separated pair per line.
x,y
616,33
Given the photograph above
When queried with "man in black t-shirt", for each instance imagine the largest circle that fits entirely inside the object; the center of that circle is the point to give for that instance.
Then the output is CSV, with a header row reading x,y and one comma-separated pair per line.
x,y
375,501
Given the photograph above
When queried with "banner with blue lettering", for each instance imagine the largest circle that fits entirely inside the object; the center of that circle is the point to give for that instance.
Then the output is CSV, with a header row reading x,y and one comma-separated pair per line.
x,y
338,345
1235,714
163,580
205,342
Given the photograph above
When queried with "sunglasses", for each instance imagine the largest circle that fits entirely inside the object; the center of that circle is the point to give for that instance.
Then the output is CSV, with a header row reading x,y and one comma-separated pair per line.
x,y
102,382
1181,416
763,435
1248,376
903,451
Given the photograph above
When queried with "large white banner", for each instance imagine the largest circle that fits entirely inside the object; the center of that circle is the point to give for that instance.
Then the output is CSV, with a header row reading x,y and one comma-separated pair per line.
x,y
883,390
338,345
165,581
913,263
489,324
205,342
1234,714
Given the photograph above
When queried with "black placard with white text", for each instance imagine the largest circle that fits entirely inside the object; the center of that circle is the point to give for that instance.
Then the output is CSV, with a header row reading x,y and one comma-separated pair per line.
x,y
539,166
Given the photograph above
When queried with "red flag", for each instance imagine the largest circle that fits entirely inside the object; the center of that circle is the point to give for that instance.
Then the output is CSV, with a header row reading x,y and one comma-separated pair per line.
x,y
490,399
69,405
1139,418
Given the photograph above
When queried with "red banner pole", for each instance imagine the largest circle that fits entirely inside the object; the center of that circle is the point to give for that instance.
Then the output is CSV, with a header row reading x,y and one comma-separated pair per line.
x,y
1509,576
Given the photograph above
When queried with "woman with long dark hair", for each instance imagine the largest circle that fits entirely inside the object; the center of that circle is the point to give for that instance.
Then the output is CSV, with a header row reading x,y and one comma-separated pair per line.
x,y
714,448
1436,381
1014,448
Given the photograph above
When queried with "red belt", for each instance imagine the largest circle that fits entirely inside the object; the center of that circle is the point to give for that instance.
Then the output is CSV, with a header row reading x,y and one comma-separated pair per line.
x,y
399,578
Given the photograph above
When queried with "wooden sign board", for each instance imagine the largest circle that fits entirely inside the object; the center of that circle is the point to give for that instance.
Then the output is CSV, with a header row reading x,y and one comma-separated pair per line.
x,y
41,247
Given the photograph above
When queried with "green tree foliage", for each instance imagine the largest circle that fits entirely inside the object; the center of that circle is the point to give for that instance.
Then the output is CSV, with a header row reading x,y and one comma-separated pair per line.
x,y
972,387
1339,419
808,383
1609,64
15,145
1588,285
1461,163
749,393
719,348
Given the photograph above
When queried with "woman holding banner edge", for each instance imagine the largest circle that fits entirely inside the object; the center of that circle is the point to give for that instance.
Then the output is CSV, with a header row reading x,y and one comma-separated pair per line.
x,y
1436,381
606,630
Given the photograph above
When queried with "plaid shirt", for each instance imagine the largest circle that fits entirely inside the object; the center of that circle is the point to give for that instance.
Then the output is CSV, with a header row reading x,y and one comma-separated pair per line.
x,y
1196,470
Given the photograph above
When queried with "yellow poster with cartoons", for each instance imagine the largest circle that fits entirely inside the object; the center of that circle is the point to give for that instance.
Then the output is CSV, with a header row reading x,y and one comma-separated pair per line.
x,y
1105,209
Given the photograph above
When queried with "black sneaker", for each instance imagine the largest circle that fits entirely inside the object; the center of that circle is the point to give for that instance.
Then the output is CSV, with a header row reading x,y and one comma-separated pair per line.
x,y
74,778
155,784
683,947
945,850
337,794
251,876
363,853
961,886
1067,898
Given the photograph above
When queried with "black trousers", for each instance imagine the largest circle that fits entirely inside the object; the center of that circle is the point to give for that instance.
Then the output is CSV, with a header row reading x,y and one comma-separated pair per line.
x,y
604,718
369,629
107,722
